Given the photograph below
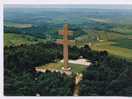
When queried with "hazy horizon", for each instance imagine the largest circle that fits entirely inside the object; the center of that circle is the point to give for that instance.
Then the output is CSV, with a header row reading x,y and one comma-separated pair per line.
x,y
90,6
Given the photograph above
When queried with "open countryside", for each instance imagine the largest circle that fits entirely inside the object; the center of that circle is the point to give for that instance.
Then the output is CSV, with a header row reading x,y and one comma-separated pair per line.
x,y
67,50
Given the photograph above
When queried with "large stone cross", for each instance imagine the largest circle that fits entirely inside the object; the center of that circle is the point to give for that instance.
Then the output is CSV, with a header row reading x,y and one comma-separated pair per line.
x,y
65,43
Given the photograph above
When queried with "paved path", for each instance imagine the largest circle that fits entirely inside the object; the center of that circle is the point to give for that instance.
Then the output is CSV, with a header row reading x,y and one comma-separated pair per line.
x,y
78,78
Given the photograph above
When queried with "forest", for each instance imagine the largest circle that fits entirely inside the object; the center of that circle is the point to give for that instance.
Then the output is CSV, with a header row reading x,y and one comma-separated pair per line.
x,y
108,75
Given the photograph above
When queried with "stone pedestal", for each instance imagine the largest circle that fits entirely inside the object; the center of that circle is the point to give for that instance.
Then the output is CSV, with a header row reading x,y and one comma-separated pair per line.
x,y
67,71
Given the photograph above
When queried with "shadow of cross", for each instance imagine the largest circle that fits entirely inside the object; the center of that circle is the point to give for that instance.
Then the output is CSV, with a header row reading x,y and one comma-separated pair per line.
x,y
65,42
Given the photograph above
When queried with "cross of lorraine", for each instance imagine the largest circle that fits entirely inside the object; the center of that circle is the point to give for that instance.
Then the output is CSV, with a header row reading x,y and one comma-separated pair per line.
x,y
65,42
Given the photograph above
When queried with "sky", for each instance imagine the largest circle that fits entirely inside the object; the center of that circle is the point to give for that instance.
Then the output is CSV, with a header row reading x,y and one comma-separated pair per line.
x,y
93,6
67,1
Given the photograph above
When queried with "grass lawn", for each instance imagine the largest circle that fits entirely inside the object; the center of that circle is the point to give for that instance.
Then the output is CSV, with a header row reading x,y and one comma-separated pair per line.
x,y
58,66
115,50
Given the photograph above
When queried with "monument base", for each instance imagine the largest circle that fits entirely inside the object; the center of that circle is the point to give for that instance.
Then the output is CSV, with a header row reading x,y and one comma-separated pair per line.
x,y
67,71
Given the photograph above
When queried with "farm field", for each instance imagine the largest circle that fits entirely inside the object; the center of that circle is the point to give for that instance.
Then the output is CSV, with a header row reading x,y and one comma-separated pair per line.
x,y
18,39
17,25
119,44
115,50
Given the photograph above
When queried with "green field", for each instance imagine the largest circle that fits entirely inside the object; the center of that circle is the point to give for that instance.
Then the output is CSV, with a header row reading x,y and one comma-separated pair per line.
x,y
119,44
117,40
124,43
18,39
17,25
115,50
